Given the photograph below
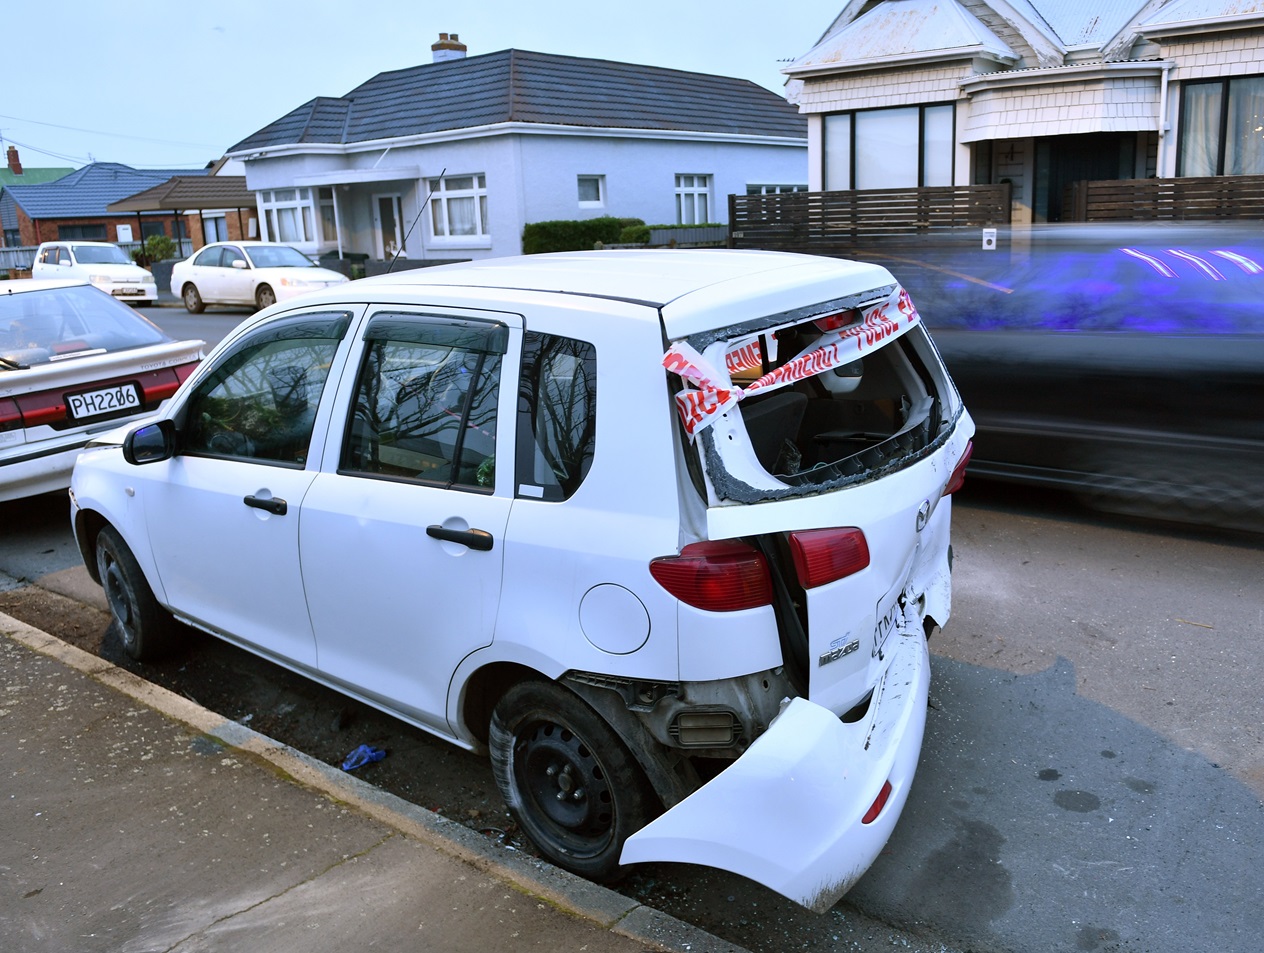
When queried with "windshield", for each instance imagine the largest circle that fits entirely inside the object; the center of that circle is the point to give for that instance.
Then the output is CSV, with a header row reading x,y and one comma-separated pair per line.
x,y
54,324
101,255
278,256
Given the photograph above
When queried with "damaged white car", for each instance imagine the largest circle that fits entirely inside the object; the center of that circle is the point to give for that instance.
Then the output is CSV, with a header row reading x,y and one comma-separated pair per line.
x,y
664,533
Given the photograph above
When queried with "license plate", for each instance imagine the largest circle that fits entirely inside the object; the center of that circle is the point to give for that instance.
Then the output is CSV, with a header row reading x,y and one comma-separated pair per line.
x,y
95,403
127,291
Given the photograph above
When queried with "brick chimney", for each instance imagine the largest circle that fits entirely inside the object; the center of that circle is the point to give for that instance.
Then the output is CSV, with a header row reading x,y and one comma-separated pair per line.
x,y
448,48
15,164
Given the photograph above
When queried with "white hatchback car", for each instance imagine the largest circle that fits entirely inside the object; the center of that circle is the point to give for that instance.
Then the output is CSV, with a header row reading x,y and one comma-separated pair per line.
x,y
664,533
74,363
257,274
99,263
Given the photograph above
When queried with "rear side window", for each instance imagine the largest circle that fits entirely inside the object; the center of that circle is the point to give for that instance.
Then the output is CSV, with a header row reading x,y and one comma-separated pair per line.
x,y
259,403
425,402
557,415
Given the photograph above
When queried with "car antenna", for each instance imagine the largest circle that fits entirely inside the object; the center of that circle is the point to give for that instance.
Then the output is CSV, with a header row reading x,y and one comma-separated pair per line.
x,y
399,251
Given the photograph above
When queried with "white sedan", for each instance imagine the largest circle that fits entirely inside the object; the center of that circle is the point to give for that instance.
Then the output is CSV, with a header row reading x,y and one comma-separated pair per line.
x,y
249,273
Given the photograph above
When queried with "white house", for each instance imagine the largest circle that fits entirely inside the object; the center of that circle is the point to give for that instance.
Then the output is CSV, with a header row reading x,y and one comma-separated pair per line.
x,y
1042,93
484,145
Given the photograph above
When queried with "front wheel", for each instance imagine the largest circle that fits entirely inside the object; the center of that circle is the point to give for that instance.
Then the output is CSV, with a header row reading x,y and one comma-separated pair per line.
x,y
569,781
146,629
265,297
192,300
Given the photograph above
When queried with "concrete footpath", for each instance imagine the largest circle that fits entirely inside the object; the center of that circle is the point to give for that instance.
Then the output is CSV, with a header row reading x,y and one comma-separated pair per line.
x,y
134,820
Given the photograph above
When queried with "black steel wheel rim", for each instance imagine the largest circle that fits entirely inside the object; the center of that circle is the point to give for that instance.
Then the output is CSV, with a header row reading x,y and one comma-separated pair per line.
x,y
565,788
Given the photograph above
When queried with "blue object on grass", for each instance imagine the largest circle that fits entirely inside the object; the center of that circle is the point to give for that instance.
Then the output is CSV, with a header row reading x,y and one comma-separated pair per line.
x,y
361,756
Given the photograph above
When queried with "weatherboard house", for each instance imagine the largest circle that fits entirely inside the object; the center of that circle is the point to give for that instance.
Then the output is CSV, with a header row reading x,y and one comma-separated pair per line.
x,y
906,94
451,159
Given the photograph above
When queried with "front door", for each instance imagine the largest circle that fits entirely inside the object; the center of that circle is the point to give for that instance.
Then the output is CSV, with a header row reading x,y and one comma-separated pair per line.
x,y
1062,160
224,513
402,543
387,225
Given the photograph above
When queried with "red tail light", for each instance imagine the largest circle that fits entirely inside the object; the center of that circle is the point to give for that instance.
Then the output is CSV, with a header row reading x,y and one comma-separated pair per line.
x,y
878,804
840,320
959,472
823,555
722,576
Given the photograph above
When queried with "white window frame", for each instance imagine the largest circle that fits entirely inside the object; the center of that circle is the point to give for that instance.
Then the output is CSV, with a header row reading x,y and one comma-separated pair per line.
x,y
601,191
273,203
755,188
441,193
690,187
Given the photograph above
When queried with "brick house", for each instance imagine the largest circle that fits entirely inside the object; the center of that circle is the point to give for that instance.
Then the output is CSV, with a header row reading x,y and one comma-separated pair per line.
x,y
13,173
74,206
484,145
1039,93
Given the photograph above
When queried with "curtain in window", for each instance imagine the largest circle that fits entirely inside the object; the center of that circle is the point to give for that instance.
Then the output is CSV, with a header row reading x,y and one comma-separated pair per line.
x,y
837,149
1244,137
461,216
1200,129
887,143
937,146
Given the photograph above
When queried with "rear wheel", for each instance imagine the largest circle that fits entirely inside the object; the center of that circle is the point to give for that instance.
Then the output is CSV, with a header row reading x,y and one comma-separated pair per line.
x,y
192,300
265,297
146,629
568,779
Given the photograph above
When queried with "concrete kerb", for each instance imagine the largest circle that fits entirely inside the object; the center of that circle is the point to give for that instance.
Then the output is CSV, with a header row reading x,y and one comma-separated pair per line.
x,y
533,877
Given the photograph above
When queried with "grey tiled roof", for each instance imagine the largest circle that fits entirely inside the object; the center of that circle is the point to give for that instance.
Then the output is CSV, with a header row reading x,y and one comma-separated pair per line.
x,y
522,86
86,192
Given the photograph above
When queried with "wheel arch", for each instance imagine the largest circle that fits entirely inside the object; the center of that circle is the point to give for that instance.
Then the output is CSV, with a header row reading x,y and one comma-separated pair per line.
x,y
88,524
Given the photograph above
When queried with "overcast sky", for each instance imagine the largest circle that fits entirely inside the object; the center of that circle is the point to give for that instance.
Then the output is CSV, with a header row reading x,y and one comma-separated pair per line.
x,y
159,84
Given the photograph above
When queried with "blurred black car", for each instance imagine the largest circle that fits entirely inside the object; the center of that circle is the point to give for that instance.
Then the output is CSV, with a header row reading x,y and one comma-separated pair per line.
x,y
1124,362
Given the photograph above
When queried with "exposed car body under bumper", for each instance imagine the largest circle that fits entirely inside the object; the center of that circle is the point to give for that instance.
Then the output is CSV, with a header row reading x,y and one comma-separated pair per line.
x,y
790,812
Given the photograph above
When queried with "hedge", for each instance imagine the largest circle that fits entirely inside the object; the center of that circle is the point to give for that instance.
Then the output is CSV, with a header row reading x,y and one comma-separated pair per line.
x,y
577,235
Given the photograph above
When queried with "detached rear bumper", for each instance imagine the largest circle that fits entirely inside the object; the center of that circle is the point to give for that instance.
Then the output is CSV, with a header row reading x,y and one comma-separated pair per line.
x,y
789,813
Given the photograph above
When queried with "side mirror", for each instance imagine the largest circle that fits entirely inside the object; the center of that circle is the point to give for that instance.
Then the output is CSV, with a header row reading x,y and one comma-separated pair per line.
x,y
240,263
151,443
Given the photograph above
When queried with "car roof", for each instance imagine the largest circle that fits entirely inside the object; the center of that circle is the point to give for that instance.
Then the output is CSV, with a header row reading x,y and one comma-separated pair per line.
x,y
20,285
693,289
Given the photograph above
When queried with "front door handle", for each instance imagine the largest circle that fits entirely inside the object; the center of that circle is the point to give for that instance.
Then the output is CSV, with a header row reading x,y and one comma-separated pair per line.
x,y
478,539
272,504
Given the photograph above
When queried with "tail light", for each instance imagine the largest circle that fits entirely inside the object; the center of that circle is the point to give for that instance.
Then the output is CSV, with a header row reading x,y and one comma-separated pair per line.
x,y
823,555
959,471
722,576
834,321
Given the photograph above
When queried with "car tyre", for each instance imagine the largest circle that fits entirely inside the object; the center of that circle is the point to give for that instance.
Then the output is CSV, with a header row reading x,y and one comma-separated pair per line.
x,y
193,302
265,297
569,781
145,628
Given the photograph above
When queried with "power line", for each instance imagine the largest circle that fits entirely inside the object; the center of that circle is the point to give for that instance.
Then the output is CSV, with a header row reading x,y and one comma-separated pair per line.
x,y
115,135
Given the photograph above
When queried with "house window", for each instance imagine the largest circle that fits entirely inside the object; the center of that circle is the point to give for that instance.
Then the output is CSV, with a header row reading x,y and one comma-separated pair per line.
x,y
12,237
83,233
906,147
152,228
774,189
1220,127
288,216
328,221
215,228
693,199
592,191
458,206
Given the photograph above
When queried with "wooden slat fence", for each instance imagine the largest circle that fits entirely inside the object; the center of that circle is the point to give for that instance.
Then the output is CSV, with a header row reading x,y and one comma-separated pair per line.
x,y
1208,198
825,223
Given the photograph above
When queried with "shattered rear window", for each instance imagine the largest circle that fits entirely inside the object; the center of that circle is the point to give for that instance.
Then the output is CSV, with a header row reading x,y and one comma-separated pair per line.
x,y
813,399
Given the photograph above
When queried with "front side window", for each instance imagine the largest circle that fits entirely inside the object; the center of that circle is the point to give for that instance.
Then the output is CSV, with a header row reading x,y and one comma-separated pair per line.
x,y
905,147
1220,127
557,415
693,199
425,402
259,403
458,207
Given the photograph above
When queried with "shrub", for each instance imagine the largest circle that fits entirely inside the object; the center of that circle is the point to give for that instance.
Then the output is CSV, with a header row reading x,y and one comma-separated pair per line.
x,y
635,234
573,235
156,248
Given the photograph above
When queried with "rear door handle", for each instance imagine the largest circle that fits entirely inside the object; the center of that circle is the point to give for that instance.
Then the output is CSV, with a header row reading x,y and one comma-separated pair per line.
x,y
478,539
272,504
